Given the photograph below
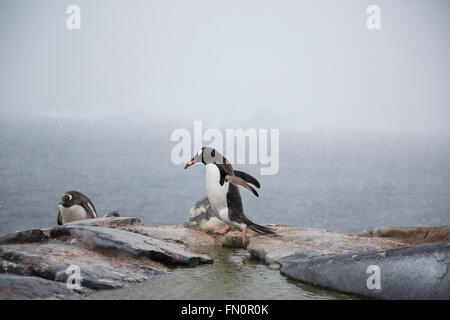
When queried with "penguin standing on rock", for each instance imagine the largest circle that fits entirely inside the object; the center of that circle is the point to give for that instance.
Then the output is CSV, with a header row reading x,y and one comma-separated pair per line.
x,y
75,206
222,189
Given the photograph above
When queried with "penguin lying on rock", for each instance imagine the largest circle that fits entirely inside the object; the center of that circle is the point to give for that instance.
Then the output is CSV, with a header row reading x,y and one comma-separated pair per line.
x,y
76,206
222,189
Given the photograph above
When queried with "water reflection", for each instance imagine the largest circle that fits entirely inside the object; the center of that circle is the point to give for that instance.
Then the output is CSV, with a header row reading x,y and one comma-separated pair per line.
x,y
234,275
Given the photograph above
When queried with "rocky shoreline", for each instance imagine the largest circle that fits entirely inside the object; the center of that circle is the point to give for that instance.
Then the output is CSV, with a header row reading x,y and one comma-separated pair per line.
x,y
114,252
110,253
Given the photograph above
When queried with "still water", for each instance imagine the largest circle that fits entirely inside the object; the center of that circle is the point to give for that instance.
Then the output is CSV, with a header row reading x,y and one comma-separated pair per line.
x,y
234,275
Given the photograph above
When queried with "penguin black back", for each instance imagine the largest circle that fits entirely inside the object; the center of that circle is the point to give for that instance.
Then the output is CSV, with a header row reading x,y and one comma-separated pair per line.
x,y
75,206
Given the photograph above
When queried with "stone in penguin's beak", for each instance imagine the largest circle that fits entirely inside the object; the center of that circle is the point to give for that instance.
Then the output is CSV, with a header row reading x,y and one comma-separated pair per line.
x,y
190,163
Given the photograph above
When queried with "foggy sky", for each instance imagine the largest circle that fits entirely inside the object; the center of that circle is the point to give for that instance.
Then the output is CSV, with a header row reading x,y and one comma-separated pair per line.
x,y
276,64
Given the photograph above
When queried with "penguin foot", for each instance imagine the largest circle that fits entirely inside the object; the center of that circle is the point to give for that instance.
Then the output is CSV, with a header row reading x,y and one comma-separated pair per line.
x,y
244,237
222,231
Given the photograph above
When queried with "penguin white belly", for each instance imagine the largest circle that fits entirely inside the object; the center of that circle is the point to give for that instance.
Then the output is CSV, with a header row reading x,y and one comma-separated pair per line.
x,y
217,194
73,213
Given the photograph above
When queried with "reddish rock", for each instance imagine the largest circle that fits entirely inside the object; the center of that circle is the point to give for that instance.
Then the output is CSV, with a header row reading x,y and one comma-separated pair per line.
x,y
411,235
312,243
189,237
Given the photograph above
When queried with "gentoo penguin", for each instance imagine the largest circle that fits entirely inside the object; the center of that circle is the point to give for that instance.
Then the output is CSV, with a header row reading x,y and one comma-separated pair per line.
x,y
222,189
75,206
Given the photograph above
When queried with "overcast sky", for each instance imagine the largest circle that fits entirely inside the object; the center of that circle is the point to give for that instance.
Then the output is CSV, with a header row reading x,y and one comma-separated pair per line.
x,y
238,63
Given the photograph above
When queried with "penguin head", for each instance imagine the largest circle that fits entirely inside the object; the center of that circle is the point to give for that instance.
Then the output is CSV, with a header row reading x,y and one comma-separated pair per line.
x,y
206,155
67,200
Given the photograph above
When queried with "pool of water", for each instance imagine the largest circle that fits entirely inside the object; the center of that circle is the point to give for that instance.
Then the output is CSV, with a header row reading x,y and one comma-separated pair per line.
x,y
234,275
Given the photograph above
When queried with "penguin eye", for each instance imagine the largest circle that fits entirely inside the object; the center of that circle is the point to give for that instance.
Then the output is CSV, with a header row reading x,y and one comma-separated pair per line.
x,y
66,197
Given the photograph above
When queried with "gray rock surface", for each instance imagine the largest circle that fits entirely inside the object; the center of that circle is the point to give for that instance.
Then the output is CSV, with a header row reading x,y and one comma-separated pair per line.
x,y
50,261
13,287
119,242
340,262
413,272
188,237
107,222
34,235
109,252
312,243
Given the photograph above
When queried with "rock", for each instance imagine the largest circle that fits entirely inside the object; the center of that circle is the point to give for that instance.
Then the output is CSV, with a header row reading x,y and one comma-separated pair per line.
x,y
13,287
413,272
274,266
110,253
311,243
188,237
129,243
114,213
34,235
109,222
50,260
12,268
233,239
212,224
339,262
411,235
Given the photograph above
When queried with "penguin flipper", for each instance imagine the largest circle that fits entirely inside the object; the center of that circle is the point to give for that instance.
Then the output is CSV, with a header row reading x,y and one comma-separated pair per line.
x,y
59,220
240,182
88,209
247,178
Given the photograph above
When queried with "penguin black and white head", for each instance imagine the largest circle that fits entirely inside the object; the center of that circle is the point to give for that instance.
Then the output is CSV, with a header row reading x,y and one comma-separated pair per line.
x,y
222,189
206,156
75,206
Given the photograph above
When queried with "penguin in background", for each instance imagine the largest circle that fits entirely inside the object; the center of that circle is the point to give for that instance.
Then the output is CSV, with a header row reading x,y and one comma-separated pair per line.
x,y
222,184
75,206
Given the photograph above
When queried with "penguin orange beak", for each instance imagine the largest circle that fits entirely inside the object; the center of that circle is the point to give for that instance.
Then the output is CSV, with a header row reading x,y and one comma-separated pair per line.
x,y
61,203
190,163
